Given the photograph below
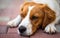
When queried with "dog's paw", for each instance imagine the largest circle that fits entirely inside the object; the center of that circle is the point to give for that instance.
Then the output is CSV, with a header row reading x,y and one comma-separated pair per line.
x,y
12,24
50,29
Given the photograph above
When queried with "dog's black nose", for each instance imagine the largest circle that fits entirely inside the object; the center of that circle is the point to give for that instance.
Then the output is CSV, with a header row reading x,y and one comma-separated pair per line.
x,y
22,29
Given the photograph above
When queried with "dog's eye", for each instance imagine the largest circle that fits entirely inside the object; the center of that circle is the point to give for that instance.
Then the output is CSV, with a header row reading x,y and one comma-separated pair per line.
x,y
34,17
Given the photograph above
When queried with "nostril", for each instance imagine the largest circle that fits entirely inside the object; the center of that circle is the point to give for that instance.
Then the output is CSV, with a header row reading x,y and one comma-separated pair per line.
x,y
22,29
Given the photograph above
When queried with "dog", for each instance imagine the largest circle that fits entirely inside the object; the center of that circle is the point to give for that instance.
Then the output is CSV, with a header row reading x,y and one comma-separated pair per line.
x,y
35,14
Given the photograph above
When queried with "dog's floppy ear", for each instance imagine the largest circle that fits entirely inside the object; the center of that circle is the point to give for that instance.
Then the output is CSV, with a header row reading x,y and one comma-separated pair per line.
x,y
21,7
49,16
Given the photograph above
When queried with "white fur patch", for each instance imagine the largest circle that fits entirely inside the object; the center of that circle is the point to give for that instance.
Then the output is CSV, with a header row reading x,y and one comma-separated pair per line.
x,y
15,21
26,22
50,28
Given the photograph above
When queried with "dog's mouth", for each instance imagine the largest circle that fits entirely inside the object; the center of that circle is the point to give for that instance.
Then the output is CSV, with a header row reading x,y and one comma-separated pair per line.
x,y
25,35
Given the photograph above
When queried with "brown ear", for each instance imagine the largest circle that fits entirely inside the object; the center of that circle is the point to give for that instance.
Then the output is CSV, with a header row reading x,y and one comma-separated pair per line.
x,y
48,17
22,7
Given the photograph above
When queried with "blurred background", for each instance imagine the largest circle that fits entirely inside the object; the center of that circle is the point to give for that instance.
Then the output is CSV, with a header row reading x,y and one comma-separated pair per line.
x,y
9,9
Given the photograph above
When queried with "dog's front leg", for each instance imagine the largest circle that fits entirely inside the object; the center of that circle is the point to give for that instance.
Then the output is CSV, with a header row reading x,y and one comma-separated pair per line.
x,y
50,28
14,22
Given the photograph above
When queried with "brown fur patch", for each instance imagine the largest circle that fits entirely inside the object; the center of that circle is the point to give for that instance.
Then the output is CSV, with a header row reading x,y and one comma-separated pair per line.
x,y
50,16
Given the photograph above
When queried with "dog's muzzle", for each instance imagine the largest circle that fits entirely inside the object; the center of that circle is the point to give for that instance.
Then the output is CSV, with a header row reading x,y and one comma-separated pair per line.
x,y
22,29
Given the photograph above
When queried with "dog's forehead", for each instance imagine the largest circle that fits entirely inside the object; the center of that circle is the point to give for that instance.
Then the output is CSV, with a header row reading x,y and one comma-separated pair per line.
x,y
30,8
33,9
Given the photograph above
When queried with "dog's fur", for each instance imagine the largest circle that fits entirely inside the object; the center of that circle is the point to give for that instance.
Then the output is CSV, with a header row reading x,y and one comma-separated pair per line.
x,y
37,13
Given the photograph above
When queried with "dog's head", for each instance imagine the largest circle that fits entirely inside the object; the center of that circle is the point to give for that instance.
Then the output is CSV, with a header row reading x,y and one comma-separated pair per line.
x,y
33,16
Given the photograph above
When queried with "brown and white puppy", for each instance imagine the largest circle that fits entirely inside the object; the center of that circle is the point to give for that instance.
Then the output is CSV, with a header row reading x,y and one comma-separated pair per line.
x,y
34,14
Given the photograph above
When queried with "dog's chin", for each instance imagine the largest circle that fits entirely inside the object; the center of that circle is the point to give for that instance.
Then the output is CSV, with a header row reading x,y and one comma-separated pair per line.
x,y
25,35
